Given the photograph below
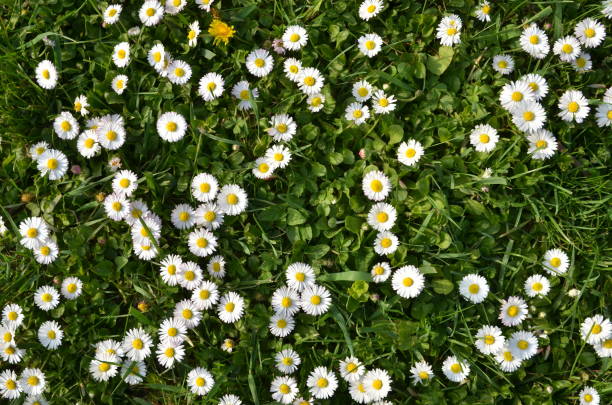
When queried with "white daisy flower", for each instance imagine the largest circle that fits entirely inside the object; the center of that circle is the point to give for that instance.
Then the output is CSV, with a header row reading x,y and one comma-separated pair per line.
x,y
281,325
377,383
299,276
66,126
310,81
81,104
171,126
111,347
555,262
111,14
183,216
133,372
231,307
381,103
449,30
7,333
537,84
455,369
125,182
259,62
582,63
144,249
137,344
232,200
386,243
50,335
151,12
513,311
53,163
11,353
34,232
287,361
140,233
376,186
483,138
542,144
282,128
209,216
316,102
179,72
607,8
211,86
46,75
172,330
604,348
175,6
119,84
503,64
322,383
294,38
590,33
87,144
193,31
408,281
362,91
535,42
263,168
529,116
190,275
206,295
370,8
410,153
156,55
474,288
216,267
382,216
483,12
188,312
537,285
603,115
230,399
421,372
204,187
315,300
46,298
284,389
286,301
39,148
202,242
507,362
116,206
46,253
607,98
200,381
32,381
169,269
278,156
12,316
351,369
568,48
489,339
574,106
369,44
589,396
595,329
515,95
121,54
245,94
169,353
380,272
292,68
523,345
111,134
358,392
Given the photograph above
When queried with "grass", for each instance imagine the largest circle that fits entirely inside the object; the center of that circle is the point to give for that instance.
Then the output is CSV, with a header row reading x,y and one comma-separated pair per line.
x,y
451,221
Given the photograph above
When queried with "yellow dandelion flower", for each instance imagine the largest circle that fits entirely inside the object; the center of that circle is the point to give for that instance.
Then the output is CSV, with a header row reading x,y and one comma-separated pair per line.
x,y
221,31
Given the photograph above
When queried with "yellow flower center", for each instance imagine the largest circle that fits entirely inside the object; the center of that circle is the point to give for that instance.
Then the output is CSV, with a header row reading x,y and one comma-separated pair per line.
x,y
541,144
607,344
294,69
150,12
204,187
386,242
187,314
200,382
259,62
210,216
32,233
179,72
534,39
232,199
278,157
534,86
377,384
300,276
455,368
581,62
52,164
10,350
517,96
351,367
78,106
287,361
51,334
362,91
309,81
423,375
407,282
379,270
474,288
451,31
119,86
244,95
315,300
89,143
171,269
204,294
371,8
555,262
567,48
211,86
294,38
157,56
376,186
33,380
528,116
508,356
112,12
573,107
322,382
171,126
144,232
183,216
124,183
489,339
512,311
46,74
71,288
370,45
361,388
45,250
357,114
286,302
169,352
522,344
609,115
137,344
281,323
121,54
216,267
588,398
284,389
12,316
46,297
484,138
111,135
382,217
589,32
39,150
230,306
596,329
383,102
104,367
264,167
282,128
202,242
7,337
537,286
189,275
502,64
191,34
485,9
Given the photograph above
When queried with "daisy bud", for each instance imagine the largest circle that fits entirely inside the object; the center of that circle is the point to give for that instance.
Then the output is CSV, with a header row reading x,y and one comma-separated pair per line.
x,y
549,389
101,241
484,189
573,293
362,153
374,297
235,147
27,197
132,32
56,280
143,306
100,197
542,315
76,169
547,26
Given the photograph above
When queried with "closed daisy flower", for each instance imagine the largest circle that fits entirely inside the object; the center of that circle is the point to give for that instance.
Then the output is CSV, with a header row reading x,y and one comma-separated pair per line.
x,y
209,216
483,11
50,335
171,126
369,44
382,217
202,242
409,153
10,353
137,344
294,37
232,200
574,106
449,30
535,42
310,81
503,64
322,383
263,168
231,307
287,361
382,103
284,389
507,361
179,72
362,91
188,312
53,163
582,63
537,285
595,329
216,267
483,138
46,298
193,31
259,62
523,345
489,339
112,13
408,282
34,232
282,128
567,48
513,311
299,276
12,316
46,253
351,369
206,295
590,33
169,353
46,75
87,144
380,272
537,84
474,288
116,206
292,68
204,187
377,384
316,102
315,300
529,116
515,95
10,386
281,325
369,9
542,144
211,86
32,381
286,301
454,369
151,12
121,54
421,372
144,249
386,243
119,84
66,126
200,381
190,275
245,94
133,372
376,186
589,396
555,262
603,115
125,182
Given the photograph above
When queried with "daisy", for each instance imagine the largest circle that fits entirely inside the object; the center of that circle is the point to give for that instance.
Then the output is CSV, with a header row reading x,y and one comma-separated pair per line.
x,y
380,272
386,243
204,187
278,155
183,216
245,94
421,372
382,217
294,37
172,330
133,372
370,8
607,98
121,54
112,13
7,333
410,153
529,116
281,325
202,242
362,91
483,138
408,281
358,392
169,353
535,42
175,6
142,234
259,62
377,383
125,182
568,48
116,206
137,344
10,386
286,301
302,401
156,55
12,316
555,262
507,362
310,81
171,126
369,44
284,389
483,11
46,253
66,126
11,353
151,12
282,128
523,345
503,64
322,383
216,267
188,312
34,232
595,329
376,186
449,30
287,361
489,339
604,115
299,276
193,33
230,399
200,381
263,168
53,163
537,84
316,102
604,348
590,32
351,369
515,95
109,346
119,84
38,149
179,72
315,300
46,75
537,285
231,307
573,106
111,134
50,335
209,216
145,250
190,275
513,311
32,381
455,369
87,144
607,8
211,86
169,269
46,298
589,396
542,144
381,103
81,104
232,200
228,345
292,68
582,63
205,296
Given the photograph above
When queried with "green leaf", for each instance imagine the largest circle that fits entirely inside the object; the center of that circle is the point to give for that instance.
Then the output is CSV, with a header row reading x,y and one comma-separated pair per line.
x,y
443,286
346,276
295,217
439,63
396,133
353,224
